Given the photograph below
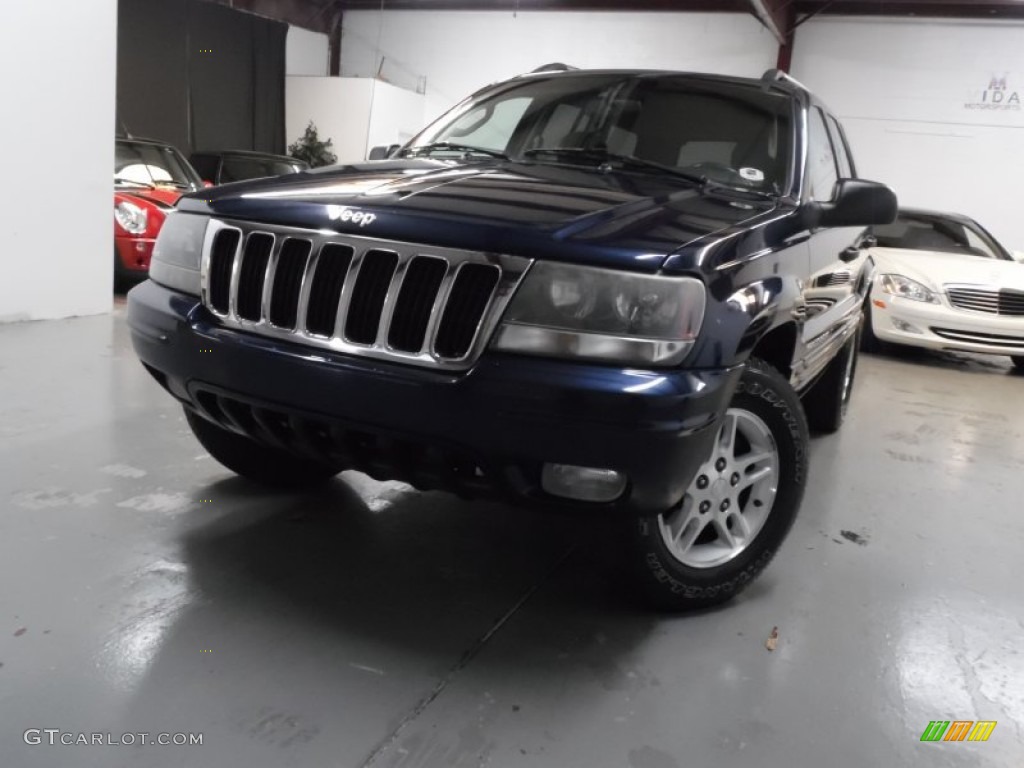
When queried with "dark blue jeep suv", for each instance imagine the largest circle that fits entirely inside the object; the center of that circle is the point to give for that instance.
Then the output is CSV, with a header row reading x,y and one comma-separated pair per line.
x,y
619,293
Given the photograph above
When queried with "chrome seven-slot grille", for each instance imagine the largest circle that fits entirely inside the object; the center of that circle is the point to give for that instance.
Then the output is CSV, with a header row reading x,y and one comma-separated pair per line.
x,y
435,307
995,301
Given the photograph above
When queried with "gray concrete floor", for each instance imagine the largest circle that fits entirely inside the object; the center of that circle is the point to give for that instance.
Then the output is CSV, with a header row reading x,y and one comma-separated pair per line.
x,y
143,589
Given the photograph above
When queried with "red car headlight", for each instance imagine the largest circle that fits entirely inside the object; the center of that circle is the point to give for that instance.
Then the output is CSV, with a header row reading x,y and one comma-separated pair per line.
x,y
131,218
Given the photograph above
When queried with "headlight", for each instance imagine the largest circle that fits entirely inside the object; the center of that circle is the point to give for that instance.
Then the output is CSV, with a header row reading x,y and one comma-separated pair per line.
x,y
178,250
603,314
905,288
131,217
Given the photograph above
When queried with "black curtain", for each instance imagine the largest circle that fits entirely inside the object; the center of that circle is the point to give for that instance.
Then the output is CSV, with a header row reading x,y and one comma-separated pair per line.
x,y
200,75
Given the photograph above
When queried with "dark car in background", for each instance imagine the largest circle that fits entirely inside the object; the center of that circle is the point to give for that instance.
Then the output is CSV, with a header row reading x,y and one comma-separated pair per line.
x,y
149,177
238,165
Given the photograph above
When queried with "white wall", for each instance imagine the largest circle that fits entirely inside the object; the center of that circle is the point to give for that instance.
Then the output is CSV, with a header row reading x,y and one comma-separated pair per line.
x,y
306,52
456,52
56,202
340,108
909,92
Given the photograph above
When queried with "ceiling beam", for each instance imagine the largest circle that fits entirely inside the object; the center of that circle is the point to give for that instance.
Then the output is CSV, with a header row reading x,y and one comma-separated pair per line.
x,y
772,14
958,9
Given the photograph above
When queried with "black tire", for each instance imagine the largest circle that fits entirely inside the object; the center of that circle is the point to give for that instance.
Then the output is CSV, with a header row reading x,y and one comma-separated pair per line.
x,y
666,581
827,401
868,341
257,462
1018,363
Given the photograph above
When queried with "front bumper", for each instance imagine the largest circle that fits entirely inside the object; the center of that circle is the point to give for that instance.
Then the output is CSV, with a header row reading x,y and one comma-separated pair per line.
x,y
941,327
484,432
134,254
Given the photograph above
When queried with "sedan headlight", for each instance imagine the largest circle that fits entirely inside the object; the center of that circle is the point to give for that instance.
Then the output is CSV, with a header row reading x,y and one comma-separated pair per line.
x,y
905,288
131,217
178,251
603,314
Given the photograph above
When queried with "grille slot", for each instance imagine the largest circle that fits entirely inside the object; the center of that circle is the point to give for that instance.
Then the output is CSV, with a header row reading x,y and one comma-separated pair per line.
x,y
425,306
993,301
992,339
420,287
222,260
368,296
471,293
253,274
325,292
284,297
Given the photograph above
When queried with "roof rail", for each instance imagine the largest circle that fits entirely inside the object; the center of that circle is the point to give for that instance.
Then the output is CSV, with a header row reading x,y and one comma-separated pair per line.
x,y
777,75
555,66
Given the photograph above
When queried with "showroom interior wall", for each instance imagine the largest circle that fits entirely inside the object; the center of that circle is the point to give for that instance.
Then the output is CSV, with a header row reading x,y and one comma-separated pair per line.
x,y
306,52
58,152
932,107
200,75
452,53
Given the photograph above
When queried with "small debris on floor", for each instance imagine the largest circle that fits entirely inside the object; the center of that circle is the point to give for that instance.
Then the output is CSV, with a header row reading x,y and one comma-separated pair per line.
x,y
20,632
773,639
515,707
856,538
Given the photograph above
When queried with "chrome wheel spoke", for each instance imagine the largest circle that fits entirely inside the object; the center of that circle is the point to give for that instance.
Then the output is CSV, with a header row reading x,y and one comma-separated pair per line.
x,y
724,534
749,459
727,440
758,474
741,526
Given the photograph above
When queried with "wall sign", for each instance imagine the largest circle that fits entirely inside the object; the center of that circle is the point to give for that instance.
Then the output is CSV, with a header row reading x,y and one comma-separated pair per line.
x,y
997,96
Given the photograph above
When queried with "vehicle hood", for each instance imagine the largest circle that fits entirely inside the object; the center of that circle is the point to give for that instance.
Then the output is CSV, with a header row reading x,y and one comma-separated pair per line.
x,y
161,197
537,210
936,269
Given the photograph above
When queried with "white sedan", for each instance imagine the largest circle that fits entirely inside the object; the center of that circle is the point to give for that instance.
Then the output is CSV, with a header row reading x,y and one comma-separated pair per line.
x,y
941,281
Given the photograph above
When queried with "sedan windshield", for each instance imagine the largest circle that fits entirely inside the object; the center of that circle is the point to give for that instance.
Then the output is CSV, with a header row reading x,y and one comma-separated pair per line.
x,y
151,165
939,234
729,133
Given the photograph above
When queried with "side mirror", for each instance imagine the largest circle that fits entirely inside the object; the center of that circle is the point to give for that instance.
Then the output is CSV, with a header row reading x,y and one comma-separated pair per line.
x,y
383,152
857,203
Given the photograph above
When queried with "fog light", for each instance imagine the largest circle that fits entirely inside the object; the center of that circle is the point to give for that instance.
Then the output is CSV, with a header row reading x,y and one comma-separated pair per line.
x,y
582,483
899,325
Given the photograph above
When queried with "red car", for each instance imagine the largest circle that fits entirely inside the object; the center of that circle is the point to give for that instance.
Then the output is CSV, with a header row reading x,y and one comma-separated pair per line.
x,y
149,177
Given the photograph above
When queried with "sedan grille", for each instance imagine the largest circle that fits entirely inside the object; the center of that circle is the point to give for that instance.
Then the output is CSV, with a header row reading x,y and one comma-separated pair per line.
x,y
435,307
992,300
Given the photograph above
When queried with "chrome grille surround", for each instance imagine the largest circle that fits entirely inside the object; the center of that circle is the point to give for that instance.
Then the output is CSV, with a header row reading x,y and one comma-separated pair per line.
x,y
988,299
510,271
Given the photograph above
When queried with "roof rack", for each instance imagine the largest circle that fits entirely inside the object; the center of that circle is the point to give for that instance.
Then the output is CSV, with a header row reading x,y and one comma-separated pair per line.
x,y
777,76
555,66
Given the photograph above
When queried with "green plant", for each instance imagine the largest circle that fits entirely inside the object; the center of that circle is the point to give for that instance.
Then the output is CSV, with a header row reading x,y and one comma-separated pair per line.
x,y
312,150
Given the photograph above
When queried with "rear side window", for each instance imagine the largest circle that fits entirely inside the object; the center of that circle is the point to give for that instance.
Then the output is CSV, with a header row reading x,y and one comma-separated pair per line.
x,y
822,173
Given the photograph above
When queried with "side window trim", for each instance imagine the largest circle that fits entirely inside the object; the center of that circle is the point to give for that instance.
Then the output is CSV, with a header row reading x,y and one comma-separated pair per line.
x,y
812,110
839,144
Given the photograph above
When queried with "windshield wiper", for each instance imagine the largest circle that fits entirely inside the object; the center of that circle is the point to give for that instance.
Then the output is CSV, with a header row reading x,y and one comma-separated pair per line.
x,y
599,155
136,182
447,146
604,156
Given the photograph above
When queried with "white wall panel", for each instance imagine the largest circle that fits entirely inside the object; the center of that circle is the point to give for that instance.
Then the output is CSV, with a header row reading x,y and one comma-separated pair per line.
x,y
57,131
456,52
338,106
918,103
306,52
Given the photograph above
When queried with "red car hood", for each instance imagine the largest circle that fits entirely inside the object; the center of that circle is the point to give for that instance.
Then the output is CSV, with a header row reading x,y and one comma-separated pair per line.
x,y
162,197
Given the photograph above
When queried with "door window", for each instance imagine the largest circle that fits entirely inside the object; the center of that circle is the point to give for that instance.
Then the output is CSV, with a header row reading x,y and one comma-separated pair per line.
x,y
821,161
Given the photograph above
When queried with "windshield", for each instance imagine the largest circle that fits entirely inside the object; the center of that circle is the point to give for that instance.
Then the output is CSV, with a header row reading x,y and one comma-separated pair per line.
x,y
729,133
939,234
242,168
152,165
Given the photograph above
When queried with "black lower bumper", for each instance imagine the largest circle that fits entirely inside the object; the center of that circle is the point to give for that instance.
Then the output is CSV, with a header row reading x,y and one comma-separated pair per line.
x,y
487,431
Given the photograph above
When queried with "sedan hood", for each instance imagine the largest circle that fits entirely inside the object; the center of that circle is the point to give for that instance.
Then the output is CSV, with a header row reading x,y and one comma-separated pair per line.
x,y
536,210
937,268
